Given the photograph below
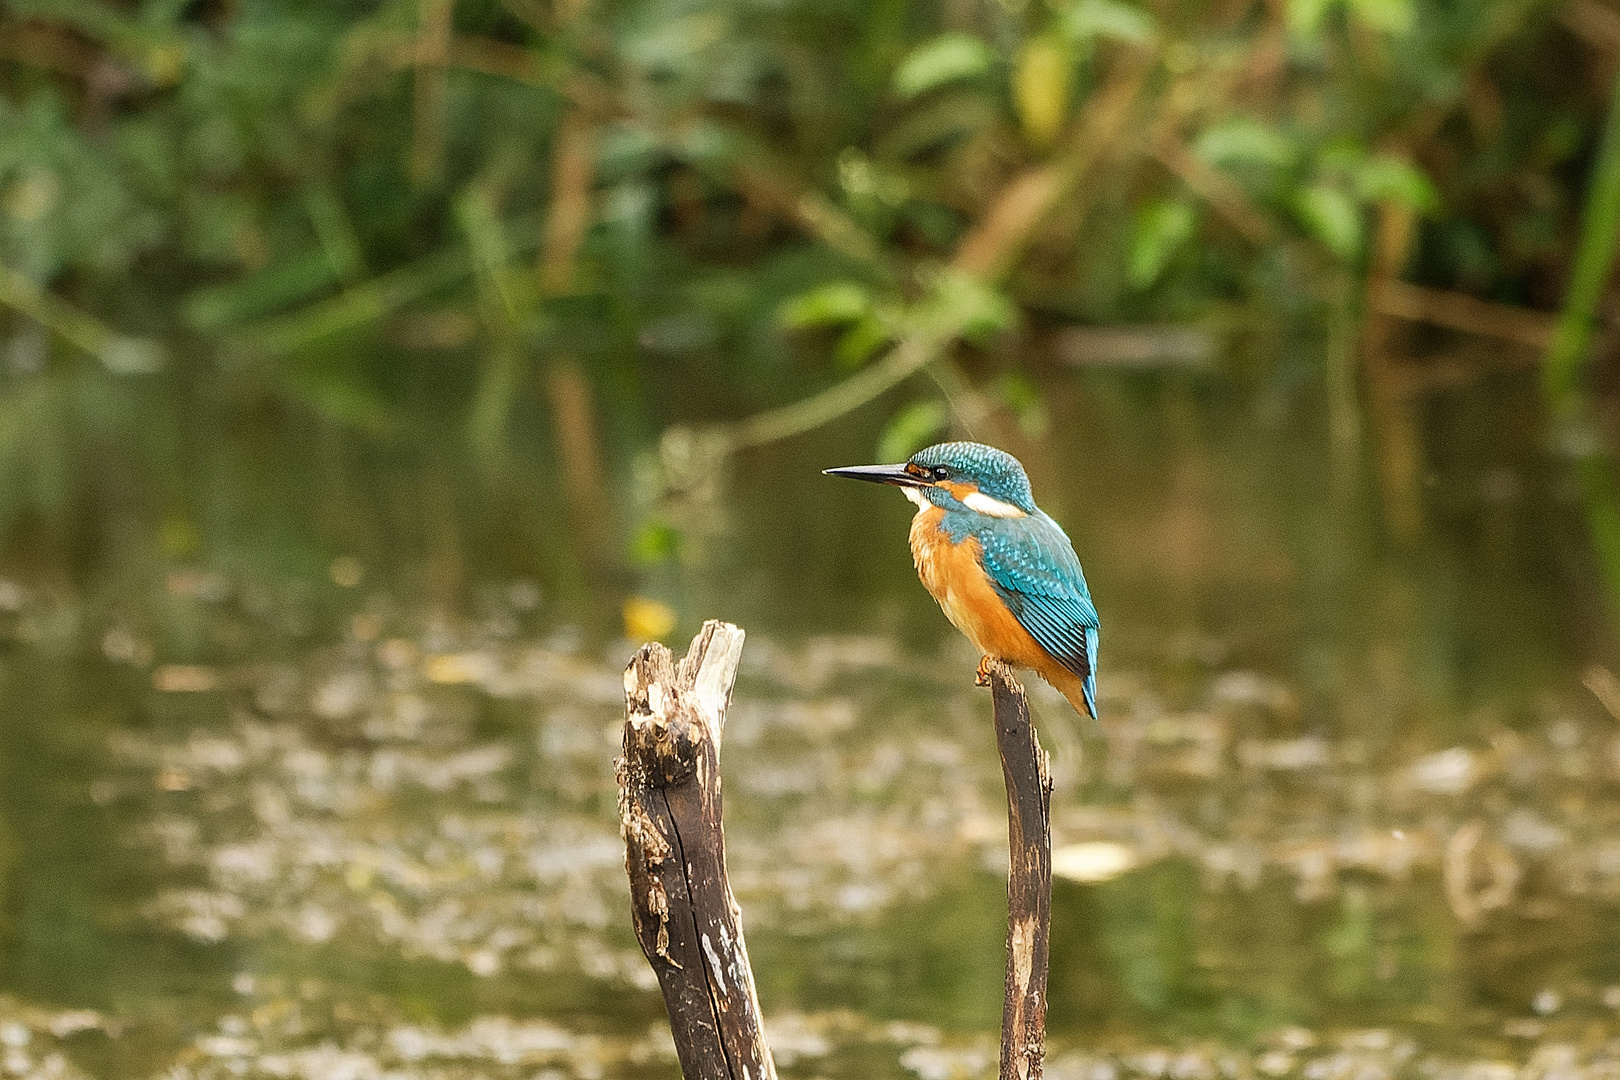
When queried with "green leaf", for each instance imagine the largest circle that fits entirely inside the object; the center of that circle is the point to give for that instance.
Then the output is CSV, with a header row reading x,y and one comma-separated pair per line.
x,y
860,341
678,45
1243,141
1384,178
131,355
655,542
1109,19
945,59
265,292
965,305
833,304
1332,217
1305,17
1162,228
911,429
1388,16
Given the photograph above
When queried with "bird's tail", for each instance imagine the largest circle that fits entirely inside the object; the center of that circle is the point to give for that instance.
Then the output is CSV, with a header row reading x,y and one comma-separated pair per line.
x,y
1082,693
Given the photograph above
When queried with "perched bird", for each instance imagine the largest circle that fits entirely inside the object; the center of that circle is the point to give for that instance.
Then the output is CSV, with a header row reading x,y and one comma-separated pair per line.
x,y
1004,573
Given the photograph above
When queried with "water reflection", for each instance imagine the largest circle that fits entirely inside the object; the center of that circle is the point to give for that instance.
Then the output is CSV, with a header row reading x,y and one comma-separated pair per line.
x,y
1346,821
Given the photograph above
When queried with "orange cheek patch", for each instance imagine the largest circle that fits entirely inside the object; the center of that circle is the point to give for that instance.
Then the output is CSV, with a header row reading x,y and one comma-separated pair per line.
x,y
958,491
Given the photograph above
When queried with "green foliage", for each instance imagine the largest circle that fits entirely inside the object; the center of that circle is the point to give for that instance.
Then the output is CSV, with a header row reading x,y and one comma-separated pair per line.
x,y
945,59
353,216
1245,141
915,426
67,202
1331,216
1108,19
1162,229
834,304
1383,178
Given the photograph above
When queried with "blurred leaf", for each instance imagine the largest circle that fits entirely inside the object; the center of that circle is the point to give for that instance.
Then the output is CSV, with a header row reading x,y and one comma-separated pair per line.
x,y
1020,394
965,304
67,200
861,341
646,620
334,230
1241,140
1383,178
1340,158
1042,81
655,542
131,355
708,145
118,353
1305,17
1109,19
945,59
912,428
947,116
1389,16
833,304
1332,217
677,45
257,295
1161,230
865,181
505,292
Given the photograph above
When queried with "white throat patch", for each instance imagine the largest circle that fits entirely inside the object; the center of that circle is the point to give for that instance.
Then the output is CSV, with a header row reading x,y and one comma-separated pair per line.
x,y
916,496
984,504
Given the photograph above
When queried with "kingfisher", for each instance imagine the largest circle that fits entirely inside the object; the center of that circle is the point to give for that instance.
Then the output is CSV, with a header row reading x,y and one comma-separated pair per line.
x,y
1004,573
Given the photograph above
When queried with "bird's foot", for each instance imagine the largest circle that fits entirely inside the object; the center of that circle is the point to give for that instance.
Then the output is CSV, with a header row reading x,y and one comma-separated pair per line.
x,y
982,676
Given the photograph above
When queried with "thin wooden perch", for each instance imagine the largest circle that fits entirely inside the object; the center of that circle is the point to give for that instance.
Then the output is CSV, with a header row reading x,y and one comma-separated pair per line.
x,y
1028,774
685,916
675,853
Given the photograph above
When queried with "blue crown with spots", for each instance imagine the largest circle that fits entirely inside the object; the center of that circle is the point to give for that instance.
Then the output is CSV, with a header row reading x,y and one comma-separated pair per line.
x,y
996,472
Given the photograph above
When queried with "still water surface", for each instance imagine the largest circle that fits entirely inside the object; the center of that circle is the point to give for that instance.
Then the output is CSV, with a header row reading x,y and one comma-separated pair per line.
x,y
1355,814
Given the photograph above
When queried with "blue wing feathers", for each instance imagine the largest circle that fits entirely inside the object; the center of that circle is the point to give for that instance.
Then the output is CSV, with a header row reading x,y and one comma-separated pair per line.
x,y
1090,684
1037,573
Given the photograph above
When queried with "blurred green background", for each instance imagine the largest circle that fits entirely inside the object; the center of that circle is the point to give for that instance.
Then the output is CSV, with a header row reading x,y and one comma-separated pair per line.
x,y
374,374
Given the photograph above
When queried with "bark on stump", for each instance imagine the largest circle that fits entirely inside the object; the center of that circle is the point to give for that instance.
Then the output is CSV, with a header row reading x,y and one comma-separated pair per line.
x,y
669,810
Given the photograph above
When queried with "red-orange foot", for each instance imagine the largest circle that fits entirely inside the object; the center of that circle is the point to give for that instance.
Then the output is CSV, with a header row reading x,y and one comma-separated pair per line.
x,y
982,677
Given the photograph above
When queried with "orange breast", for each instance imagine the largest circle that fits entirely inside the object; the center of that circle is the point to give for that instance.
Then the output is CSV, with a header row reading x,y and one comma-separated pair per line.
x,y
954,574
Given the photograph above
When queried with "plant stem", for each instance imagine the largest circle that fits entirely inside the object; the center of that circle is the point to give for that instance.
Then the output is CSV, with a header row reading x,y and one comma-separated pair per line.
x,y
1567,400
1594,255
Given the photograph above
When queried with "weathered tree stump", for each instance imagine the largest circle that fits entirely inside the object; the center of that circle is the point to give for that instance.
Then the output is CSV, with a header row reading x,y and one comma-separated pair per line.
x,y
1027,771
685,916
669,811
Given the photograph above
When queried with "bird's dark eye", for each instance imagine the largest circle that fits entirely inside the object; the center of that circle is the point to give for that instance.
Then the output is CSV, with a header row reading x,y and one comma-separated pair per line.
x,y
941,472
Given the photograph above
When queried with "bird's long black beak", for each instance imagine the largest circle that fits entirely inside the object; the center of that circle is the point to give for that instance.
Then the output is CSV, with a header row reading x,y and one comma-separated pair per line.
x,y
880,474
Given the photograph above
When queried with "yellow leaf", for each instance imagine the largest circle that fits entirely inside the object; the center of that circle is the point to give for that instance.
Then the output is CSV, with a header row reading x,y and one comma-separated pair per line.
x,y
646,619
1041,84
